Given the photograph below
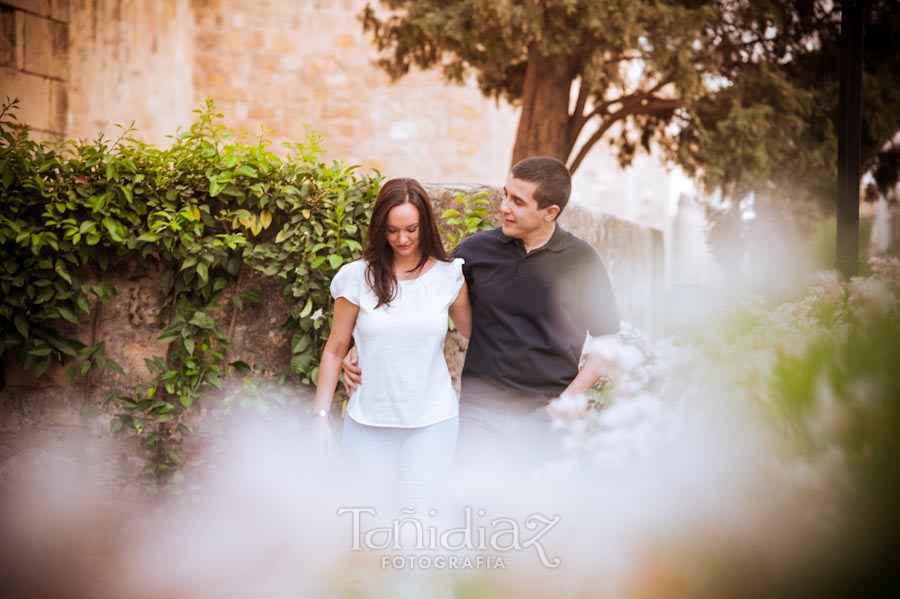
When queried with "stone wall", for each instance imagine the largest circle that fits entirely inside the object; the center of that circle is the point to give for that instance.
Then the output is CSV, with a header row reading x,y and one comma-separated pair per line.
x,y
131,60
289,65
127,324
34,62
284,65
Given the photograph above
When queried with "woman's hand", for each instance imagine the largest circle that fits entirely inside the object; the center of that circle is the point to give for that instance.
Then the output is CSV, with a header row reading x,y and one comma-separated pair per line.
x,y
323,438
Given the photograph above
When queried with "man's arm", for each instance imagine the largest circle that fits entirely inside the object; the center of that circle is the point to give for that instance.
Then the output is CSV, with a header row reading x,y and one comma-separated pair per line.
x,y
596,365
352,371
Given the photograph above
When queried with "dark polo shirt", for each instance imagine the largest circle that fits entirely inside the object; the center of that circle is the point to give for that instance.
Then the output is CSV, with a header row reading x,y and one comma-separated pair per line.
x,y
531,313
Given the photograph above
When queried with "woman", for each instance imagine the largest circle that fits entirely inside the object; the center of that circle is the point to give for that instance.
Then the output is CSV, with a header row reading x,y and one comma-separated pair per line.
x,y
402,421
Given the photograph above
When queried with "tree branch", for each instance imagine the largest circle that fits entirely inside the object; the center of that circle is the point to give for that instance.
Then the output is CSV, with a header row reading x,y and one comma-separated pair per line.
x,y
633,107
594,138
577,119
623,100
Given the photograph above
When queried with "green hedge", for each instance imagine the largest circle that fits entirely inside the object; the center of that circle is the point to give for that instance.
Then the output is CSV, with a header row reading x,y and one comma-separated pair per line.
x,y
209,210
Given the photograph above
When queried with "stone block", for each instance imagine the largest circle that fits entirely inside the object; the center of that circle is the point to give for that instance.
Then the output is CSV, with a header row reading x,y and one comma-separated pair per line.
x,y
20,40
40,136
46,47
33,92
59,10
39,7
28,408
7,37
59,106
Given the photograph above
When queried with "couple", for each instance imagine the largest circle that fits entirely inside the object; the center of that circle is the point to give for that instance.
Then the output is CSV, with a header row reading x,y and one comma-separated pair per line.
x,y
526,294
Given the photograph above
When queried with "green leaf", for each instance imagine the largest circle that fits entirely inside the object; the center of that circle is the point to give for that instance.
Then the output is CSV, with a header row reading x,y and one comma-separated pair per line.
x,y
114,229
189,345
114,366
168,337
203,272
246,170
61,271
215,187
203,320
40,350
307,309
300,343
21,326
335,261
67,314
240,366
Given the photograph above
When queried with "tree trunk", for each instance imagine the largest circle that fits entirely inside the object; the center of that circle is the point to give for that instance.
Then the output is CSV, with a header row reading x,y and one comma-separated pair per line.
x,y
545,108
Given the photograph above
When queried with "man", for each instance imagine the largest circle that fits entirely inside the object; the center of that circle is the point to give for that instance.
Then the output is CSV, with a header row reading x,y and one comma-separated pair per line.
x,y
536,291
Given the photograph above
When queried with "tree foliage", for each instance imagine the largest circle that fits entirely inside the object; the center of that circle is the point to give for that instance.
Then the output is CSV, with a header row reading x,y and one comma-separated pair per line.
x,y
743,93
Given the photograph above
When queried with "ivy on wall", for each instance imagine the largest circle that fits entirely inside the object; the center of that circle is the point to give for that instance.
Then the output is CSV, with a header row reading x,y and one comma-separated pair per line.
x,y
211,209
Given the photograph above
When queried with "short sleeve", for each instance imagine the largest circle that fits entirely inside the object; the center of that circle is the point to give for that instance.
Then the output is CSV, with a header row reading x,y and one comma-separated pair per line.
x,y
597,303
462,252
455,278
348,283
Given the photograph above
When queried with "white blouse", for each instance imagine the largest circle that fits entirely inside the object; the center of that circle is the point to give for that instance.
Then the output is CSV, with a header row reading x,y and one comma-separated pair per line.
x,y
401,347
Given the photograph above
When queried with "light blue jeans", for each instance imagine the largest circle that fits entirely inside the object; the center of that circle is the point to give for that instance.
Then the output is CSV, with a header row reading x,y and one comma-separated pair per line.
x,y
400,467
492,437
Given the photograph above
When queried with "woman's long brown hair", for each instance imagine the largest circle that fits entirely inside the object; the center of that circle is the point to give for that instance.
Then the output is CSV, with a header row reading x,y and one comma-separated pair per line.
x,y
377,252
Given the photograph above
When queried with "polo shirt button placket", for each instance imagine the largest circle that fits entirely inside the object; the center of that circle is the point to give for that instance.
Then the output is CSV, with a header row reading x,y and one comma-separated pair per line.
x,y
519,266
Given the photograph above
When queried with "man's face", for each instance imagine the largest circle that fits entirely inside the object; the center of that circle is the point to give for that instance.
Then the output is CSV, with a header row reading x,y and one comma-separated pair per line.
x,y
519,209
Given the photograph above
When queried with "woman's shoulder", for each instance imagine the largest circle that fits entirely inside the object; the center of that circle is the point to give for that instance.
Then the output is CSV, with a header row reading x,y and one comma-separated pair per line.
x,y
349,276
353,268
450,266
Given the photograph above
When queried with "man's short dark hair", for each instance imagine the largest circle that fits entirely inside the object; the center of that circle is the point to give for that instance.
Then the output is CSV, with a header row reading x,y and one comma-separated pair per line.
x,y
554,183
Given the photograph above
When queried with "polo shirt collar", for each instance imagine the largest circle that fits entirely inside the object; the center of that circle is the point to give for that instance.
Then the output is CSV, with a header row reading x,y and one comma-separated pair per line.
x,y
557,242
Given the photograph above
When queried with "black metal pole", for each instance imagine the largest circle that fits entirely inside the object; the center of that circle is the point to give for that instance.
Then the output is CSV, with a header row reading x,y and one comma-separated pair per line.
x,y
849,134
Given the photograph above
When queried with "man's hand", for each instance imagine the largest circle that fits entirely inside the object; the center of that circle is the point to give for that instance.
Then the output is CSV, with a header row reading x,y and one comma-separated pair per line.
x,y
567,407
352,371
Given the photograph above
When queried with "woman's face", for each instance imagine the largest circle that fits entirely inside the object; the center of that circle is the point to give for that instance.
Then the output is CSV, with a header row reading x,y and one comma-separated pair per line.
x,y
403,230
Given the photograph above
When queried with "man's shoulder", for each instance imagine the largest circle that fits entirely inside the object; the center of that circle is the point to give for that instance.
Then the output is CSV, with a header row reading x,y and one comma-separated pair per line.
x,y
579,247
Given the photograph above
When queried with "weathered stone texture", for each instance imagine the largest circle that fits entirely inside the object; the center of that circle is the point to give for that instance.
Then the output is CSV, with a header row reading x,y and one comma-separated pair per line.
x,y
33,92
34,64
43,8
46,47
130,61
288,65
59,10
7,37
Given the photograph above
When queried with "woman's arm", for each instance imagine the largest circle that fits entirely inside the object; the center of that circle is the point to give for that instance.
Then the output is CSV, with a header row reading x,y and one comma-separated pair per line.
x,y
461,312
336,348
